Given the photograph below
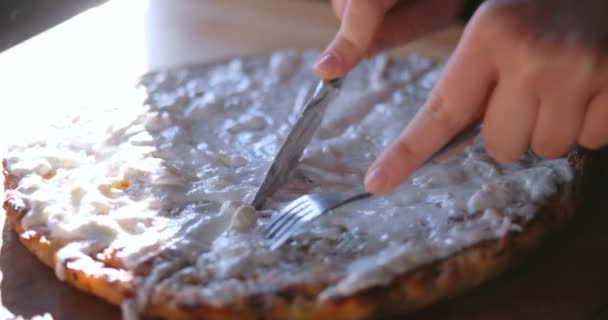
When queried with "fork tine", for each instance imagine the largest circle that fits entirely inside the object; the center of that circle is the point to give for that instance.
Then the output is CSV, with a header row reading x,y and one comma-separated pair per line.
x,y
302,210
295,203
284,218
284,213
291,217
288,228
287,232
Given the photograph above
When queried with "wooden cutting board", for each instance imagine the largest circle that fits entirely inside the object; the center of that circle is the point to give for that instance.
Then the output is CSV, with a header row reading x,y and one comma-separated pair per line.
x,y
94,56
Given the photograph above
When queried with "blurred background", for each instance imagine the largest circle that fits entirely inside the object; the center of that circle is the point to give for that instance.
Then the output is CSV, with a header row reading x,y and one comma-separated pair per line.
x,y
56,55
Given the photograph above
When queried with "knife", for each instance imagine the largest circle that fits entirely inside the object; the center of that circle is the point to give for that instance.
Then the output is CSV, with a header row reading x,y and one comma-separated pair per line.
x,y
298,138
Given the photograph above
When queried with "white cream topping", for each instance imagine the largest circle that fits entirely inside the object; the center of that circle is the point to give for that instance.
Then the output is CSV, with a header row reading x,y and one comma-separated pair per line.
x,y
175,174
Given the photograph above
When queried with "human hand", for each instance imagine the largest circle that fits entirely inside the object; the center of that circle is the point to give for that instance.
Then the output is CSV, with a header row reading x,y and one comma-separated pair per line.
x,y
369,26
535,70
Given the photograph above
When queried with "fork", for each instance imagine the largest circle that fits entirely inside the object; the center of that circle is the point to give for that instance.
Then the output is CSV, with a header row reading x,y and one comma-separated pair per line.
x,y
310,206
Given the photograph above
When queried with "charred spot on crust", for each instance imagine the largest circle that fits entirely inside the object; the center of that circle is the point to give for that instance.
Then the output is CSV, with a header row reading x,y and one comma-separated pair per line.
x,y
464,217
29,235
128,293
261,303
14,203
289,294
109,257
517,219
427,273
350,301
120,184
50,174
300,291
145,267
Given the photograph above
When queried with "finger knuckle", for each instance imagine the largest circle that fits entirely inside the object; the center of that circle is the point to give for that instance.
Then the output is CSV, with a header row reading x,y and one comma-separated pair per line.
x,y
533,78
548,148
499,150
489,19
539,72
435,109
518,38
403,149
530,57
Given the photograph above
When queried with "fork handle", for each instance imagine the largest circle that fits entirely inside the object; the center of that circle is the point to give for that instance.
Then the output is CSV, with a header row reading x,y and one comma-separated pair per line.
x,y
464,135
356,197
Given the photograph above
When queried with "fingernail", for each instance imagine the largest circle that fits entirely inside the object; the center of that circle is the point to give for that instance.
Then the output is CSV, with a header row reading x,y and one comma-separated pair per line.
x,y
328,63
376,179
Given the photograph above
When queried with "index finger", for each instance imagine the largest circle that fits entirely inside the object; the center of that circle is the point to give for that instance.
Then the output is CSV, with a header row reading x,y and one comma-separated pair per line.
x,y
360,20
457,100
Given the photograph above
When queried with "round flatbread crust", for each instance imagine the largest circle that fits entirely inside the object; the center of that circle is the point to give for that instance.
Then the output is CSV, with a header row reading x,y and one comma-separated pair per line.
x,y
421,287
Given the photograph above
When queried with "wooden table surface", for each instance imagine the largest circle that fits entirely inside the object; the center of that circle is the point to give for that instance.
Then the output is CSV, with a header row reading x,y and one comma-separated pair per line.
x,y
97,56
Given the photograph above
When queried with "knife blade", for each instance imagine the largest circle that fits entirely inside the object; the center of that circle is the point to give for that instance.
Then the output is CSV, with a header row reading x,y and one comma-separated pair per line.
x,y
299,137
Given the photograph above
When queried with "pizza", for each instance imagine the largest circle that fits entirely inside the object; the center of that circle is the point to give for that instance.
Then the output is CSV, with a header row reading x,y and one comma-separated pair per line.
x,y
146,205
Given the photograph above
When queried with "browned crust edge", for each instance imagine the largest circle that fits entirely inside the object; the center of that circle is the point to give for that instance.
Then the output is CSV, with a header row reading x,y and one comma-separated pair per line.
x,y
421,287
95,279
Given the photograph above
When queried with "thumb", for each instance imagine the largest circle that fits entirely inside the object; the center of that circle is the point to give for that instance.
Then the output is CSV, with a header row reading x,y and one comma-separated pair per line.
x,y
360,21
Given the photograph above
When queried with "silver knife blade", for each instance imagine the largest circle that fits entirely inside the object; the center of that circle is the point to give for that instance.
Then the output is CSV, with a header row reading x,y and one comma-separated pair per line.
x,y
296,141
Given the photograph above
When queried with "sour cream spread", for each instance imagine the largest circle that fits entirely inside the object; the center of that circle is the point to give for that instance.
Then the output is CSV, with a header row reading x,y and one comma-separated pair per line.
x,y
177,172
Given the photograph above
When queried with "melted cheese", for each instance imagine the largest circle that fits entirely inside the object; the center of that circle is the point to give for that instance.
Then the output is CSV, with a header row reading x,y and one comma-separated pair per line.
x,y
173,176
